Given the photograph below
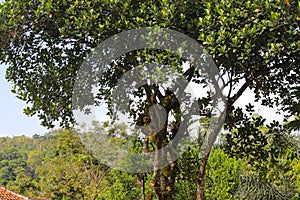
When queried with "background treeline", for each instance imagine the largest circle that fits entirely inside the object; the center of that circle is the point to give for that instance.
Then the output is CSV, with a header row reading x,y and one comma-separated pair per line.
x,y
57,166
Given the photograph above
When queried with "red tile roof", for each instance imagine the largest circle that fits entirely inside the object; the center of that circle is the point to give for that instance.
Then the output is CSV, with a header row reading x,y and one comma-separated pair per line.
x,y
6,194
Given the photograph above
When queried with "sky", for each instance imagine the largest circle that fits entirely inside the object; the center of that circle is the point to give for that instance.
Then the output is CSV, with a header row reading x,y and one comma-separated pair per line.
x,y
13,121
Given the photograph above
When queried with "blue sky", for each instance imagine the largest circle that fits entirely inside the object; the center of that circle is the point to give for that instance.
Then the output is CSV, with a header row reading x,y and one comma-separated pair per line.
x,y
13,121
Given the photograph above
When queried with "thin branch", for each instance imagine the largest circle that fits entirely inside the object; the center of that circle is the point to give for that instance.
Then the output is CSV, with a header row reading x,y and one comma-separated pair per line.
x,y
239,93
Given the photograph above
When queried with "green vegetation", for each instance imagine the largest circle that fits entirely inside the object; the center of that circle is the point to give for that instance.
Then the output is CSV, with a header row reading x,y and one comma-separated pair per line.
x,y
58,166
255,45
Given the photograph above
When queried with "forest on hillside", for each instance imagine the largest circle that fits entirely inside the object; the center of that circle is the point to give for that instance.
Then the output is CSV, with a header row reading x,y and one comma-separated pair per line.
x,y
57,166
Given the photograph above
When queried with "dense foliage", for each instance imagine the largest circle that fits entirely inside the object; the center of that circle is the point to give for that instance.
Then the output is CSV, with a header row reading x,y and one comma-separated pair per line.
x,y
57,166
252,42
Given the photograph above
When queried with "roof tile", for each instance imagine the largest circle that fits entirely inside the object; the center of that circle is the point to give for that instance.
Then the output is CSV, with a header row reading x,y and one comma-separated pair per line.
x,y
6,194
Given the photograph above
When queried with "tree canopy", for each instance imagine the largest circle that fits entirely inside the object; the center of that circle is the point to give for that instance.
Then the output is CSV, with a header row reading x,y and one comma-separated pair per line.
x,y
44,42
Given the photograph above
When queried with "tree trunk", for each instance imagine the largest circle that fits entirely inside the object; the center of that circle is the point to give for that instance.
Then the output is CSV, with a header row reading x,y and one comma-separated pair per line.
x,y
163,183
141,179
201,178
158,189
211,140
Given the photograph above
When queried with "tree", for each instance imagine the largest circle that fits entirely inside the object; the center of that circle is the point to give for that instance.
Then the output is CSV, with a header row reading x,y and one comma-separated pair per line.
x,y
68,171
255,45
15,173
120,185
222,175
268,151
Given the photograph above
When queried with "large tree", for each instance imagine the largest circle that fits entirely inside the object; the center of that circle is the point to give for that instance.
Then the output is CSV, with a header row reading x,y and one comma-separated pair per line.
x,y
255,45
